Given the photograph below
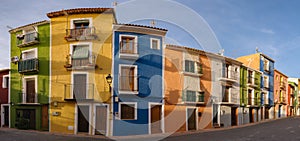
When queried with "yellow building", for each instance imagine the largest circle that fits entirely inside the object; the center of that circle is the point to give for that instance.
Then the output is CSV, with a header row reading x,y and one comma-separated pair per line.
x,y
81,52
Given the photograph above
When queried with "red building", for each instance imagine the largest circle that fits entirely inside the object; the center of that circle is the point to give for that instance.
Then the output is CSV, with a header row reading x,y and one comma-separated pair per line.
x,y
4,101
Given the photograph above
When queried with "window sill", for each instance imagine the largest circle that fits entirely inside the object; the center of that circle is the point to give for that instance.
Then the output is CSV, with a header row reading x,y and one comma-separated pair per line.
x,y
192,74
128,92
129,56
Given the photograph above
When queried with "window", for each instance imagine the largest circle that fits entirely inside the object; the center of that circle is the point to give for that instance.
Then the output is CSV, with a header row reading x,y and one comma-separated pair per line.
x,y
266,65
250,76
29,54
193,96
192,67
128,44
250,97
30,90
155,43
266,98
128,111
5,81
128,78
266,81
80,55
226,94
82,23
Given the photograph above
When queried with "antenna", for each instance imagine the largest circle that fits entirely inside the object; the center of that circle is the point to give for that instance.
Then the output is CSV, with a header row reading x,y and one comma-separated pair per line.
x,y
115,3
256,50
152,23
221,52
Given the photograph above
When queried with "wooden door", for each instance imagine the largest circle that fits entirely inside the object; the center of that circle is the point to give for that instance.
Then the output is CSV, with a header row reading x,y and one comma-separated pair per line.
x,y
234,116
156,119
101,120
79,86
83,118
45,117
191,119
6,116
30,91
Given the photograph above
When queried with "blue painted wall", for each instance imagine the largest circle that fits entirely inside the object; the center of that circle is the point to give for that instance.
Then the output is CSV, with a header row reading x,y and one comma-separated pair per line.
x,y
150,65
270,74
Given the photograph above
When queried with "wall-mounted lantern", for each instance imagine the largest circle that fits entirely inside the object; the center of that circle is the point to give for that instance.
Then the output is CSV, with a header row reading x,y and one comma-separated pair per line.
x,y
109,81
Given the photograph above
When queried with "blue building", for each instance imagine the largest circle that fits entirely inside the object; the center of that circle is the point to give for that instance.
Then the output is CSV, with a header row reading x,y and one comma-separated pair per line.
x,y
137,101
265,64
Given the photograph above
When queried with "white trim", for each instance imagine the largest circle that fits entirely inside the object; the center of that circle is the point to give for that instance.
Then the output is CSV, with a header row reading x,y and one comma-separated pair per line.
x,y
158,43
150,104
72,83
30,50
187,117
252,96
25,78
76,117
4,82
112,87
163,83
127,55
2,114
50,78
135,79
107,118
127,103
72,22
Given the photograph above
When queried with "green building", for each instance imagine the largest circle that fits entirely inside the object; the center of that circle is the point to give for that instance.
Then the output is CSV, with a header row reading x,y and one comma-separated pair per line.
x,y
250,98
29,91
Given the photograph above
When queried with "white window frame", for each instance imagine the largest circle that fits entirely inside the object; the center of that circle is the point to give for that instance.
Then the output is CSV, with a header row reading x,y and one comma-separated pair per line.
x,y
252,96
187,117
87,82
82,44
128,103
34,77
266,78
30,50
135,79
267,64
76,117
266,97
158,43
76,19
162,120
5,83
128,55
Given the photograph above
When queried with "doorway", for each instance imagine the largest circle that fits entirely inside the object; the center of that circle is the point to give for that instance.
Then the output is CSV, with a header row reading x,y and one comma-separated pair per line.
x,y
234,115
4,115
192,120
101,119
155,118
83,117
26,118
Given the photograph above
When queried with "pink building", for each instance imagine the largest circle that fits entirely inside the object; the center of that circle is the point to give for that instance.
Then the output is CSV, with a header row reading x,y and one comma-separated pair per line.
x,y
4,101
280,94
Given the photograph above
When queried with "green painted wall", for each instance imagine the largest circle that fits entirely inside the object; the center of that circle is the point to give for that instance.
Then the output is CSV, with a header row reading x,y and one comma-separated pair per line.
x,y
243,86
43,49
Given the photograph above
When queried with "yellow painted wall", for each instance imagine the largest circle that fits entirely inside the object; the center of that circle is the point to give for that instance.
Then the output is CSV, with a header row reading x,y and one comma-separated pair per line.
x,y
252,61
60,76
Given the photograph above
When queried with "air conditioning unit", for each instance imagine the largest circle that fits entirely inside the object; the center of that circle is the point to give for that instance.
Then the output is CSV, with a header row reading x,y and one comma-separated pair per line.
x,y
20,36
14,59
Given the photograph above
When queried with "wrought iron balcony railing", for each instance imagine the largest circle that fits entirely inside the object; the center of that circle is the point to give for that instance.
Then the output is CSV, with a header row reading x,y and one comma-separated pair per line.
x,y
28,66
27,39
81,34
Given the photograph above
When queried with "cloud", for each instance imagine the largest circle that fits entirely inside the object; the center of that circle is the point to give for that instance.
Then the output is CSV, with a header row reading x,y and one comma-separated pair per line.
x,y
267,31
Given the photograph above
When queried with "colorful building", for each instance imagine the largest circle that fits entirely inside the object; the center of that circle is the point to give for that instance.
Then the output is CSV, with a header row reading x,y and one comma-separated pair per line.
x,y
4,98
265,64
280,94
188,86
137,80
292,98
250,94
81,52
29,73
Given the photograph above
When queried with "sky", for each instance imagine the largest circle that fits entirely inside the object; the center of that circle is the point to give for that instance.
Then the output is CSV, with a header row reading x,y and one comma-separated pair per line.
x,y
239,26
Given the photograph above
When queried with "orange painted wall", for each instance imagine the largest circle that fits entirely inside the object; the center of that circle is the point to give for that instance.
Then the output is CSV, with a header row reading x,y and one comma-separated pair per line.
x,y
252,61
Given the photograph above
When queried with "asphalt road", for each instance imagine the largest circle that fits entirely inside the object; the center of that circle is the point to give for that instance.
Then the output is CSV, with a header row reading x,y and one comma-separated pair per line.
x,y
286,129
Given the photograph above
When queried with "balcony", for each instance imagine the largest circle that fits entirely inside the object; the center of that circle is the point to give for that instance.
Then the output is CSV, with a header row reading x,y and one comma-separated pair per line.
x,y
28,66
28,98
79,92
80,34
254,102
229,76
252,82
128,50
193,97
283,85
80,63
27,39
282,100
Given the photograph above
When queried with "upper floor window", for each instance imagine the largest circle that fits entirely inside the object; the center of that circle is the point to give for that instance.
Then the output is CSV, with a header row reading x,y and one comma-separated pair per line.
x,y
80,55
128,111
266,81
81,29
266,65
250,76
29,54
155,43
128,78
192,67
128,44
5,81
82,23
27,37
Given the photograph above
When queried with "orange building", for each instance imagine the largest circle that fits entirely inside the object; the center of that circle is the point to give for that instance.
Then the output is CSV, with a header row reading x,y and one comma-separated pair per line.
x,y
280,94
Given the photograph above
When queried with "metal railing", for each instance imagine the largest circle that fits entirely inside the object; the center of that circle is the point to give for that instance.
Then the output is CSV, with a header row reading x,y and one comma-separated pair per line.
x,y
30,65
78,63
81,33
128,83
128,48
27,39
230,74
28,98
82,91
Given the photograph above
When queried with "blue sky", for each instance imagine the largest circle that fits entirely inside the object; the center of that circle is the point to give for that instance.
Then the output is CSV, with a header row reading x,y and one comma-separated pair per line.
x,y
239,25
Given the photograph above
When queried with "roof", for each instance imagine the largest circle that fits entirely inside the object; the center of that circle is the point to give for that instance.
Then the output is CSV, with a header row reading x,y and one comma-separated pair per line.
x,y
140,29
79,11
275,70
5,69
205,53
32,24
267,56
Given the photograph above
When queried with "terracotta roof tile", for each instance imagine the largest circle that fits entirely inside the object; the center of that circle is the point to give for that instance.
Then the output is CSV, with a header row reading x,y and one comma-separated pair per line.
x,y
145,26
35,23
79,11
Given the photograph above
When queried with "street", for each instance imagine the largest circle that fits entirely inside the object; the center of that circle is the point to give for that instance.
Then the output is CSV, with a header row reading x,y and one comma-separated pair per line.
x,y
276,130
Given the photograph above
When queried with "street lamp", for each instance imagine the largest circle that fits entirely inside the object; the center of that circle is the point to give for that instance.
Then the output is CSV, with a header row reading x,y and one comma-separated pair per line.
x,y
109,81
